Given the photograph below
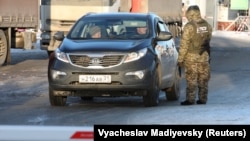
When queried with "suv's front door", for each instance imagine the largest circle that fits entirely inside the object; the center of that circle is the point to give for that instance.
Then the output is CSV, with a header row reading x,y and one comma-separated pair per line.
x,y
165,51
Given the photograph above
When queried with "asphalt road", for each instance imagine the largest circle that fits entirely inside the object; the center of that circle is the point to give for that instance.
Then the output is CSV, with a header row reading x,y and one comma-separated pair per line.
x,y
24,94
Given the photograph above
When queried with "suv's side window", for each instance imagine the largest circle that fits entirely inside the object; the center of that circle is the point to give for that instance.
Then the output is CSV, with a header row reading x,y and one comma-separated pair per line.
x,y
162,26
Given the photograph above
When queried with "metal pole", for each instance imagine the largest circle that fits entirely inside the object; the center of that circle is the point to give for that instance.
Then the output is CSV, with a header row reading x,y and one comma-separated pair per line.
x,y
215,3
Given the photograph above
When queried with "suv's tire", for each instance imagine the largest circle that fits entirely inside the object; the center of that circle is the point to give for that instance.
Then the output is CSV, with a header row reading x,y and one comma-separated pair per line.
x,y
3,47
173,93
152,96
56,100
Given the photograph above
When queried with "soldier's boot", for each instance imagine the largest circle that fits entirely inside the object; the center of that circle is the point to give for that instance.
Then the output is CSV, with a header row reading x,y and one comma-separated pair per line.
x,y
200,102
186,102
190,96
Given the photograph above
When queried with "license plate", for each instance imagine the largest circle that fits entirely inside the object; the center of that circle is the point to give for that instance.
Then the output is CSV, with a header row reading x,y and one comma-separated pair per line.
x,y
95,78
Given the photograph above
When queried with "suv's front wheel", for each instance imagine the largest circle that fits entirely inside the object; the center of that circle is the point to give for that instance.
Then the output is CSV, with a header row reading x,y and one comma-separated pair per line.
x,y
152,96
56,100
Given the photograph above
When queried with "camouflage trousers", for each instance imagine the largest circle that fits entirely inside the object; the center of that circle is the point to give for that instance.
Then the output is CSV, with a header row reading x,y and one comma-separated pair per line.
x,y
197,77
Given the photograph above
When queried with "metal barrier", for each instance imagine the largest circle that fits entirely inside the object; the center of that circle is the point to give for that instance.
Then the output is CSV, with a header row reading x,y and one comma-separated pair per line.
x,y
46,133
241,22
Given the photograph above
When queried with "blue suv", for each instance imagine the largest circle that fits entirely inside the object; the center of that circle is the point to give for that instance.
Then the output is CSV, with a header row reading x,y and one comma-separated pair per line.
x,y
115,54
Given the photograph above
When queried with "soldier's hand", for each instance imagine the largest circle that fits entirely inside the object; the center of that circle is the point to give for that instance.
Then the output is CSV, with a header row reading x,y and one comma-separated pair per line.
x,y
180,64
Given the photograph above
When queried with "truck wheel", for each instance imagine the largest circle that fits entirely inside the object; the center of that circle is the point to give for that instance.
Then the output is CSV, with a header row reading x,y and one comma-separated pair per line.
x,y
173,93
49,53
3,48
87,98
56,100
152,96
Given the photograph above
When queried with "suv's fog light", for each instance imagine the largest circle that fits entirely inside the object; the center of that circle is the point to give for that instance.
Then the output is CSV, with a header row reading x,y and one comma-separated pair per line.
x,y
139,74
57,74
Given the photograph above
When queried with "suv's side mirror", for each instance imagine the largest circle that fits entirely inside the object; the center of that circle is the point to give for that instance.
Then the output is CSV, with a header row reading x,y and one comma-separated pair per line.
x,y
164,35
59,35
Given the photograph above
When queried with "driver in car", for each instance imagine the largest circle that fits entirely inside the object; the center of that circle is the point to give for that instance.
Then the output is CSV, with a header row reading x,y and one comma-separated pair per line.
x,y
141,30
95,32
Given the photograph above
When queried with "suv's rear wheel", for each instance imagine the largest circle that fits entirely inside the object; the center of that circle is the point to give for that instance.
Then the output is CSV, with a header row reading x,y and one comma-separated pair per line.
x,y
152,96
173,93
56,100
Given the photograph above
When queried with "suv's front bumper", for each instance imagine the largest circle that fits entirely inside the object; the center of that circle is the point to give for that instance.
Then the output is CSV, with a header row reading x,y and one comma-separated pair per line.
x,y
122,77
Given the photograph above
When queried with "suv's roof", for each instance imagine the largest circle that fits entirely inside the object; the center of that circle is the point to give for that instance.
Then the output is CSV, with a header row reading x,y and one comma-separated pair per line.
x,y
119,14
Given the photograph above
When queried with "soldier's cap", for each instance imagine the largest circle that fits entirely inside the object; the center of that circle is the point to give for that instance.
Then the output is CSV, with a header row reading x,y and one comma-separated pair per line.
x,y
93,30
193,7
193,12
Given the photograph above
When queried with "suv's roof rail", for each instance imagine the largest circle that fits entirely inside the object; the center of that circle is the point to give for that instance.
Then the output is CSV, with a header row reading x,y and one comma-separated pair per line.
x,y
90,13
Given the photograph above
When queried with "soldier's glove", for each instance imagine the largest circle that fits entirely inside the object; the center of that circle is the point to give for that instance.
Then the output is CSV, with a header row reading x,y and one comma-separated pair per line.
x,y
181,64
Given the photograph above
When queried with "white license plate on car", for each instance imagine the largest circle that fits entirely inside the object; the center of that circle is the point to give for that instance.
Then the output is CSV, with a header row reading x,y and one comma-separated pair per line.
x,y
95,78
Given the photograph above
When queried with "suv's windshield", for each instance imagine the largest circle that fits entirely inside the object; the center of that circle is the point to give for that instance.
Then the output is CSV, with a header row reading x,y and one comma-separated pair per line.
x,y
90,28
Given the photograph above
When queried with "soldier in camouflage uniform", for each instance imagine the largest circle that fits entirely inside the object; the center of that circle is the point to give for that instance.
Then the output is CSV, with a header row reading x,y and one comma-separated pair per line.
x,y
194,55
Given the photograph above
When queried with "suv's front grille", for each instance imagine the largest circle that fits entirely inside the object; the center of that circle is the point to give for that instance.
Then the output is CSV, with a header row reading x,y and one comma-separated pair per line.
x,y
103,61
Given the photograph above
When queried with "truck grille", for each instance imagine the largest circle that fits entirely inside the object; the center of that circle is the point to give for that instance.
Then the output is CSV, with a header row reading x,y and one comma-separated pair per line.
x,y
88,61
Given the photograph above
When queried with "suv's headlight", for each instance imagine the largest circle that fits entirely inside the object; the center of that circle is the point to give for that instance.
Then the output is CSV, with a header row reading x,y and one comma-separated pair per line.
x,y
61,56
135,55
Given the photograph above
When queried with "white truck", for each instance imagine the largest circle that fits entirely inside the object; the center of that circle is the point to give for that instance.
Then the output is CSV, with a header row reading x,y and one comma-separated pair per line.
x,y
19,22
169,10
60,15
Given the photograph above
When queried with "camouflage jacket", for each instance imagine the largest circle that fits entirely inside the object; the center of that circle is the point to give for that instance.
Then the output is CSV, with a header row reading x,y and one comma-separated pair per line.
x,y
191,40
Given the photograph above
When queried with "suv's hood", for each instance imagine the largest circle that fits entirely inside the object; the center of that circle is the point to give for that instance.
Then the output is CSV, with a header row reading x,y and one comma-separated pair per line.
x,y
103,45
